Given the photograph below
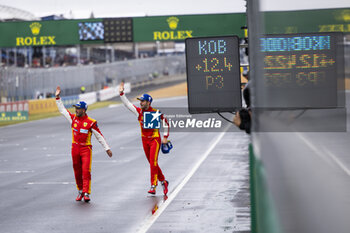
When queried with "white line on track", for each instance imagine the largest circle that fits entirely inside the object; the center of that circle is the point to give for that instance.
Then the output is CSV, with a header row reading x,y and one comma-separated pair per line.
x,y
114,105
49,183
129,147
13,144
15,172
149,222
126,160
327,152
55,155
105,161
337,161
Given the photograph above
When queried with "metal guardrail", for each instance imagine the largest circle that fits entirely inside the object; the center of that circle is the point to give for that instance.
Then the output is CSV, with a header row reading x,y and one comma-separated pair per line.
x,y
30,83
159,80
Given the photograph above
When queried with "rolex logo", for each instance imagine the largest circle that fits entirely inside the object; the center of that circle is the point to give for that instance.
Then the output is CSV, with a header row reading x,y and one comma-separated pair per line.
x,y
172,21
346,15
35,27
343,15
172,34
35,40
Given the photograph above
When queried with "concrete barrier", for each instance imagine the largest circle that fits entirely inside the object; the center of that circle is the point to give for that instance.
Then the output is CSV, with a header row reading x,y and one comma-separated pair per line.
x,y
89,98
107,93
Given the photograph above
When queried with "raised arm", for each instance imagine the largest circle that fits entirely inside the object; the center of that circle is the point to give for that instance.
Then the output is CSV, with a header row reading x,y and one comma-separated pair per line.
x,y
125,101
61,107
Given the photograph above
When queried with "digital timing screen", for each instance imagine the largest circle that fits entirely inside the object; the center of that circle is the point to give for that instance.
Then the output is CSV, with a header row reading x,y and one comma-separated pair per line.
x,y
91,31
302,70
213,74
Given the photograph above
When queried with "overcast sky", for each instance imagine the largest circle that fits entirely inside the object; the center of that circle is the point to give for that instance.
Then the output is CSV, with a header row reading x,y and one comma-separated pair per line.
x,y
122,8
115,8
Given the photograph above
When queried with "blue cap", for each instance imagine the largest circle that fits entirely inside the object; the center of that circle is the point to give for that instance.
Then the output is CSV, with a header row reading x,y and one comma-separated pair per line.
x,y
146,97
166,147
81,104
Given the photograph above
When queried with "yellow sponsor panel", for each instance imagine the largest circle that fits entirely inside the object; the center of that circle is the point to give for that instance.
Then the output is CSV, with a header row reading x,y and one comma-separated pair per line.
x,y
42,106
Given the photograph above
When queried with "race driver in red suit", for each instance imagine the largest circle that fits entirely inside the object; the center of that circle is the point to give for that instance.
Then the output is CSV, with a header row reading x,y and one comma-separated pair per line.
x,y
82,128
151,140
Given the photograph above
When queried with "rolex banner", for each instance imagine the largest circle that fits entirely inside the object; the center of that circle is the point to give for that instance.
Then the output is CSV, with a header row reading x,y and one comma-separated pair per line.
x,y
14,116
114,30
165,28
178,28
41,33
306,21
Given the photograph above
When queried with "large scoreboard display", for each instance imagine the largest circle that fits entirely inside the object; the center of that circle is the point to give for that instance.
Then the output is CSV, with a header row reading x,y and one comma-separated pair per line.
x,y
109,30
213,74
91,31
302,70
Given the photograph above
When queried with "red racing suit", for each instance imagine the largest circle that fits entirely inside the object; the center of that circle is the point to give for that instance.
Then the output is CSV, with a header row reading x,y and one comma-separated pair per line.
x,y
151,140
82,128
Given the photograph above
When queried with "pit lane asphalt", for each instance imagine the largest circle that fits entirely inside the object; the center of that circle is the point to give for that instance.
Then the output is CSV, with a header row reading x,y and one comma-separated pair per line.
x,y
37,188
